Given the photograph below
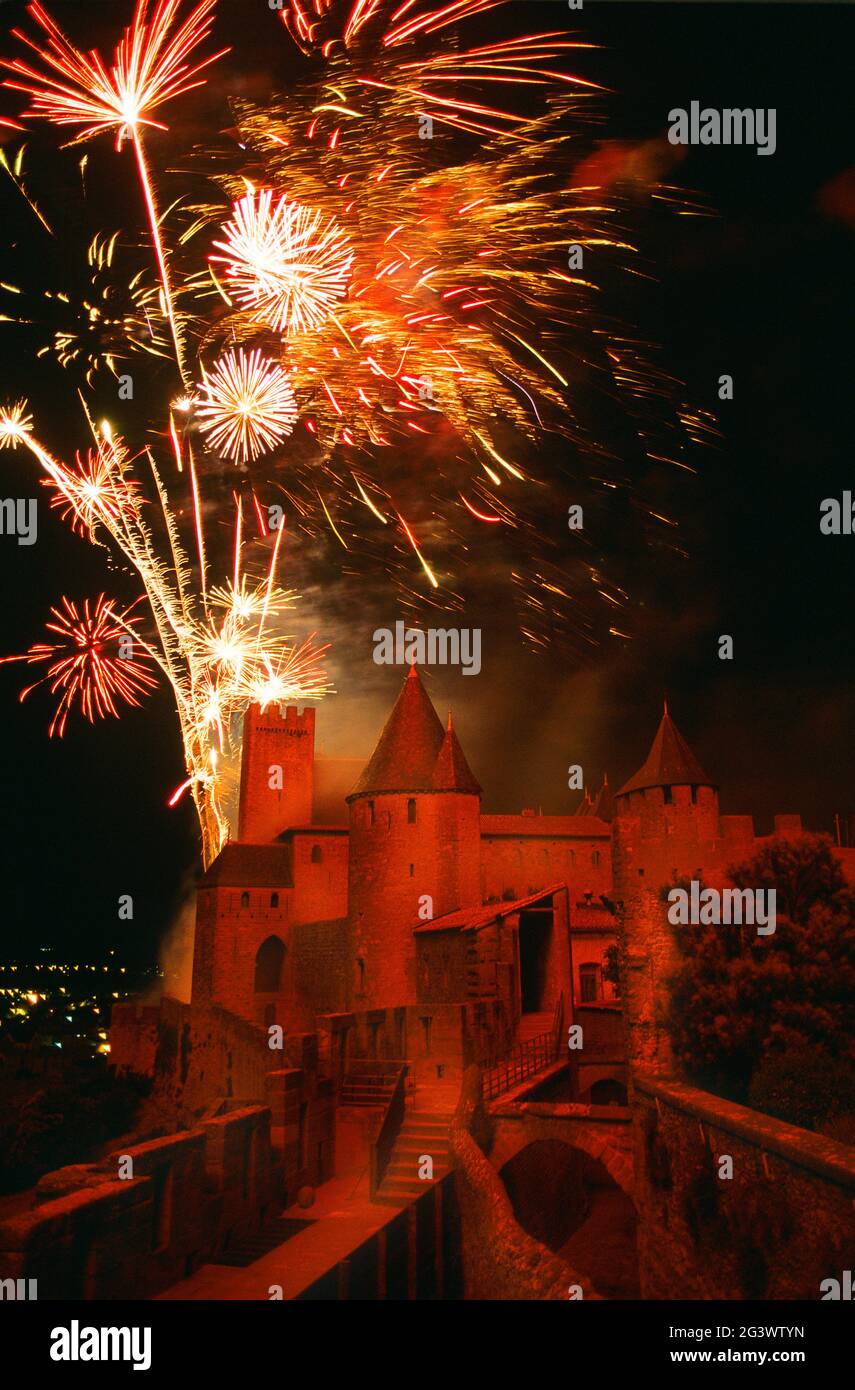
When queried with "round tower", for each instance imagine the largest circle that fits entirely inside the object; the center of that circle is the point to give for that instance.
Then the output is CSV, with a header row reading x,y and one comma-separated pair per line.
x,y
666,825
415,840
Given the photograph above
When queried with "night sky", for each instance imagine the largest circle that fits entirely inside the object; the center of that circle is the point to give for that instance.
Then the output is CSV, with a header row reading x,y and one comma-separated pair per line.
x,y
761,289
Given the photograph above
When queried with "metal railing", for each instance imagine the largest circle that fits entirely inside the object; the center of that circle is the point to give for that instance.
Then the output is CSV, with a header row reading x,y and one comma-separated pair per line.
x,y
380,1152
525,1059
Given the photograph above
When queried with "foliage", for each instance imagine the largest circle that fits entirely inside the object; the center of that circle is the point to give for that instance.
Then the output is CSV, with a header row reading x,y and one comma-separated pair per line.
x,y
739,999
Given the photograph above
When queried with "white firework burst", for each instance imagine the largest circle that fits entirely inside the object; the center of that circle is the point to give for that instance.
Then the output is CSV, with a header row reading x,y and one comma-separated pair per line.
x,y
247,405
286,263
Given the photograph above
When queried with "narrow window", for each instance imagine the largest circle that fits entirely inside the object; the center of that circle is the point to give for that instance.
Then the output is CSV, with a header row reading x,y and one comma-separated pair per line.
x,y
589,981
244,900
669,795
371,813
411,811
317,854
694,796
595,858
274,899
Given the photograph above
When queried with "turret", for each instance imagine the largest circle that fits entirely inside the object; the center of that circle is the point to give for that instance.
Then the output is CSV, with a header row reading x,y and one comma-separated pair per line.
x,y
414,846
666,825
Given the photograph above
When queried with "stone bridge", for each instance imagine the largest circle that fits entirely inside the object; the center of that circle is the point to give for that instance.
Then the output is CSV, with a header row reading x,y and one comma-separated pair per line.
x,y
602,1131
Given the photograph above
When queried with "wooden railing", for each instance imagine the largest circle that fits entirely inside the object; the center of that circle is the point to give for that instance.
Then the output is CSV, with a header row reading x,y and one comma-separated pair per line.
x,y
381,1148
525,1059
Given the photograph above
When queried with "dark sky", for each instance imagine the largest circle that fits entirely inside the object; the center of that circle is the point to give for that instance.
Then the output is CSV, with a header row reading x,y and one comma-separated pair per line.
x,y
762,290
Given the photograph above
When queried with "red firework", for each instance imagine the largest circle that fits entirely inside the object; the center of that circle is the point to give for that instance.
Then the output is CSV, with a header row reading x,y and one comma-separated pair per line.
x,y
95,661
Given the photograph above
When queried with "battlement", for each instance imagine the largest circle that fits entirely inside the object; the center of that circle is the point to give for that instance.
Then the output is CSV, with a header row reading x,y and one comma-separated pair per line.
x,y
277,772
270,720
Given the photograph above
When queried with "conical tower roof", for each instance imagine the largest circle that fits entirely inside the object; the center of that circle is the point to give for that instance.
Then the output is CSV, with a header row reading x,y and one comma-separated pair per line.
x,y
670,763
604,803
408,747
452,772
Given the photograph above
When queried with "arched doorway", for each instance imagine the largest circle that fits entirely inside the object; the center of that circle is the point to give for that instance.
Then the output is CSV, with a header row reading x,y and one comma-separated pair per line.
x,y
269,959
569,1202
608,1092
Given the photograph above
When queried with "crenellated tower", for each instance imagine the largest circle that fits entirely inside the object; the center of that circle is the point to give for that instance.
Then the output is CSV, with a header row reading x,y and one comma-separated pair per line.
x,y
276,776
666,825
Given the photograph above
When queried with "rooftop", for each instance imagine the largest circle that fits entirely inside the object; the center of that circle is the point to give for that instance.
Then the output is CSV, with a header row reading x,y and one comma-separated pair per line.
x,y
250,866
471,918
670,762
408,747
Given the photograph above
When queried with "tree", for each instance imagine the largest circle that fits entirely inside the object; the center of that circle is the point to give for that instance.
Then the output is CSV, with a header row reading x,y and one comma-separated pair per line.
x,y
740,998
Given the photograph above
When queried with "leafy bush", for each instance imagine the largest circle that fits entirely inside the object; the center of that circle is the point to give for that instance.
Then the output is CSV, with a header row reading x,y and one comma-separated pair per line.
x,y
739,998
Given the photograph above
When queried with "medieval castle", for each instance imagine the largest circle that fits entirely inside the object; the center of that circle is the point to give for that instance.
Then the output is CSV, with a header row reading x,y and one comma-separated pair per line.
x,y
384,914
410,1066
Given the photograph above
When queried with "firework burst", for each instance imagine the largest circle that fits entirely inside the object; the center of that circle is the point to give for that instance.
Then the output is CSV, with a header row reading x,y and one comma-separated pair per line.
x,y
285,263
94,663
469,320
407,252
217,651
151,67
247,405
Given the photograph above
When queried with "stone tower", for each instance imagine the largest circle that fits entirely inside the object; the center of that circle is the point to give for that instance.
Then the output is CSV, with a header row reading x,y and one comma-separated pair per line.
x,y
276,776
666,824
414,846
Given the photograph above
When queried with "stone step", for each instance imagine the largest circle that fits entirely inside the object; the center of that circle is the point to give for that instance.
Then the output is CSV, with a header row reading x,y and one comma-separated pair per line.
x,y
403,1173
422,1143
407,1189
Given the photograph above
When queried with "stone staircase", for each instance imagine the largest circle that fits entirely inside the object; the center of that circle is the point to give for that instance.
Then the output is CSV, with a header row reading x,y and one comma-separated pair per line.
x,y
424,1132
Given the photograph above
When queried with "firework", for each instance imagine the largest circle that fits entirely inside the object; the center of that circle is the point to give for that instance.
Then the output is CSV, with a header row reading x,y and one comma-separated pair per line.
x,y
218,650
248,405
467,320
151,67
97,485
108,311
391,252
285,263
93,663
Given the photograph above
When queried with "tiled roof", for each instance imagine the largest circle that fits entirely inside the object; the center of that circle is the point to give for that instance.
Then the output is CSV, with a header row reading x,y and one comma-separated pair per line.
x,y
670,763
451,771
408,746
250,866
